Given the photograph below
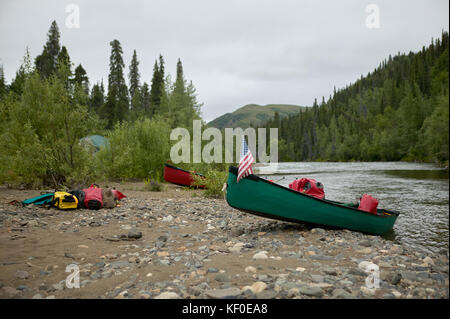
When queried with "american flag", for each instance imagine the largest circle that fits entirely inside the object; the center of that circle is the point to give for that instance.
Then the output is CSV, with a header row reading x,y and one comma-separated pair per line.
x,y
245,164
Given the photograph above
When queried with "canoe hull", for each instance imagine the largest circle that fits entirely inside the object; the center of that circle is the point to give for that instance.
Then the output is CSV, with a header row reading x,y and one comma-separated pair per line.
x,y
178,176
261,197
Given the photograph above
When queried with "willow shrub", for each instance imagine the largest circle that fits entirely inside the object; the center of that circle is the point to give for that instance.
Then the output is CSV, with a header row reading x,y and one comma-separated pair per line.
x,y
213,180
40,134
136,149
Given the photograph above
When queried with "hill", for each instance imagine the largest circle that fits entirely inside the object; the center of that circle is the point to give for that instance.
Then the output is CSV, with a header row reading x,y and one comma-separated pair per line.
x,y
400,111
253,114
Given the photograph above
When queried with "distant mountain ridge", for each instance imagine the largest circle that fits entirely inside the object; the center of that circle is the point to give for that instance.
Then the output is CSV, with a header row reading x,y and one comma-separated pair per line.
x,y
253,114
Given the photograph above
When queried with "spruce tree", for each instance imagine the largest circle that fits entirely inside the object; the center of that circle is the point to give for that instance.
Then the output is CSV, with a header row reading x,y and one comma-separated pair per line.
x,y
47,62
2,83
116,106
81,78
391,114
179,81
157,89
97,98
63,57
134,75
179,100
155,94
64,67
145,96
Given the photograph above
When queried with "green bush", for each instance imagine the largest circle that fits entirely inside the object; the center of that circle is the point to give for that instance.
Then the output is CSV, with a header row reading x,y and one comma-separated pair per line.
x,y
213,180
41,132
153,186
136,149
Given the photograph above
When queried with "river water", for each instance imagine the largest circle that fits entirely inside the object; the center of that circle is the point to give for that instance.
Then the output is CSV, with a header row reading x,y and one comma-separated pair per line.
x,y
420,192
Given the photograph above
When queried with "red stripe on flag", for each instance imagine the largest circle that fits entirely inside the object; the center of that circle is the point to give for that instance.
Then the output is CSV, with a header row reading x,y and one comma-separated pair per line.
x,y
245,166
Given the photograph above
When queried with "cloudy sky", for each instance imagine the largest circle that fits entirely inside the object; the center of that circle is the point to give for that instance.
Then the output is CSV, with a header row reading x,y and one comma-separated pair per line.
x,y
235,52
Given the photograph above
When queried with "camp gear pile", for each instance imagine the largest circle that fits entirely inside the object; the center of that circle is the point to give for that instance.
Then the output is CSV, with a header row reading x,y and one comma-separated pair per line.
x,y
64,201
93,198
308,186
368,204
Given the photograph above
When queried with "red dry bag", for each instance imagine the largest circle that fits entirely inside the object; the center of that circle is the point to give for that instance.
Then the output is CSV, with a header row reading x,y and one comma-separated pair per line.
x,y
308,186
368,204
118,194
93,197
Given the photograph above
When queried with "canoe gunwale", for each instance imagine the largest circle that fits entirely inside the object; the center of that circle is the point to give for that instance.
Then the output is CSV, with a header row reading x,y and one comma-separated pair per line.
x,y
183,170
182,175
234,170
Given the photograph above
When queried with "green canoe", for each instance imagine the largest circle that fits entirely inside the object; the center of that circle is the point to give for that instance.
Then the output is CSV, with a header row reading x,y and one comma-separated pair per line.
x,y
263,198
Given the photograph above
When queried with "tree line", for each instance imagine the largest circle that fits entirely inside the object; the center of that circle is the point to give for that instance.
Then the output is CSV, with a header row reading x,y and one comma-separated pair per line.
x,y
119,101
50,105
400,111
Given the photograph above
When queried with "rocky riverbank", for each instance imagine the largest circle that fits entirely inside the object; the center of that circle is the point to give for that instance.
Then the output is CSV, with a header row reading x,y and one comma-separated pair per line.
x,y
177,244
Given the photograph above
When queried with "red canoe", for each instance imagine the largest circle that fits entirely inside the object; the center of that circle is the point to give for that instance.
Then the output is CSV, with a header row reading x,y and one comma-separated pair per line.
x,y
179,176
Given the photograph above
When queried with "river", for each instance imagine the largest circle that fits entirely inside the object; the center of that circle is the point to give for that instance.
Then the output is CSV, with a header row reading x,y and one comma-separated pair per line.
x,y
420,192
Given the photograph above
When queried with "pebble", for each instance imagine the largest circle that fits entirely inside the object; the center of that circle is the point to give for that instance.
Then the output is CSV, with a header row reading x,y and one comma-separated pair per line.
x,y
167,295
293,292
133,234
427,260
33,223
21,274
317,278
341,294
367,291
120,264
236,248
256,288
212,270
223,293
10,291
168,219
267,294
260,256
250,269
311,291
335,267
329,271
222,278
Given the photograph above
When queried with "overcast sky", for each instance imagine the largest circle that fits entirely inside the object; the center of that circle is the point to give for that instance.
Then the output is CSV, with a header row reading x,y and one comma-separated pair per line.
x,y
235,52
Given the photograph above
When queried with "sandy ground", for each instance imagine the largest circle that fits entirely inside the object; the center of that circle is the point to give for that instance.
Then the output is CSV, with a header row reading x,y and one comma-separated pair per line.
x,y
193,247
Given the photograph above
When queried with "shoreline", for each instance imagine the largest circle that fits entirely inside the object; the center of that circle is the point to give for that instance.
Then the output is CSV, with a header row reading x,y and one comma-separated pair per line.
x,y
178,244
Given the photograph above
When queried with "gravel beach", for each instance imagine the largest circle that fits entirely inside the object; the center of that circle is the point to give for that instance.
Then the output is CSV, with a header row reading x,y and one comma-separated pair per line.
x,y
178,244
